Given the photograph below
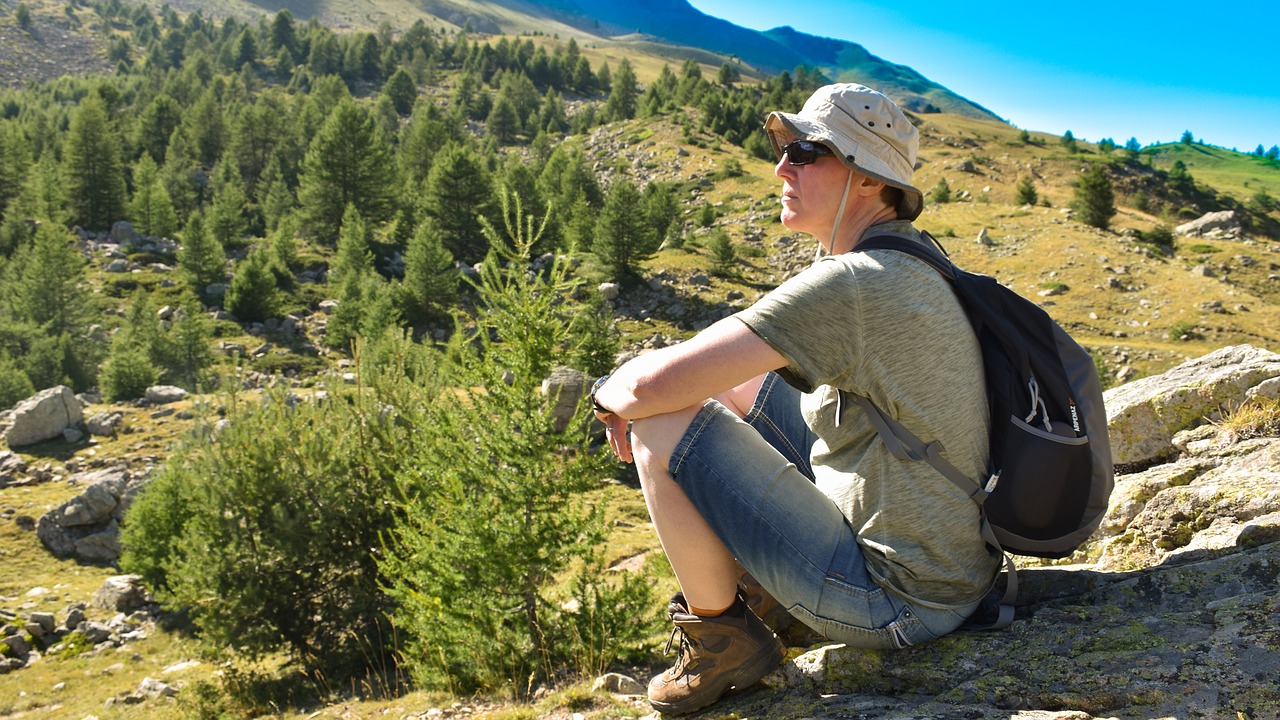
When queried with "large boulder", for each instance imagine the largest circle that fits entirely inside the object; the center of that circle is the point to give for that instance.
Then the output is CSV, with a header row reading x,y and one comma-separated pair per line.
x,y
1215,224
43,416
565,387
87,527
1144,415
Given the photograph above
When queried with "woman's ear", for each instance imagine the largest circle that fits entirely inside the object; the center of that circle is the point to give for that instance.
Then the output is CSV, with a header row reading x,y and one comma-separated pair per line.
x,y
866,186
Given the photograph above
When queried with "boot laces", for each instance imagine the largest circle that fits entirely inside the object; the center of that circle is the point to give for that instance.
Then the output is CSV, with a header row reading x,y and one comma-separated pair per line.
x,y
686,658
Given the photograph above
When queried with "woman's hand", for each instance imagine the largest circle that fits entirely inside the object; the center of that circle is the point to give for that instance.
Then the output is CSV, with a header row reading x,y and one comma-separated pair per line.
x,y
615,430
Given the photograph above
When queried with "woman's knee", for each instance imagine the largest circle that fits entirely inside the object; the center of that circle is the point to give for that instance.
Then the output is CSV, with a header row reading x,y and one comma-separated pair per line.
x,y
654,439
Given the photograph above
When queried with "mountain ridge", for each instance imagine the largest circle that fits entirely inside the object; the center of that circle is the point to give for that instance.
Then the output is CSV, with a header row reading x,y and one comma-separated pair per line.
x,y
773,51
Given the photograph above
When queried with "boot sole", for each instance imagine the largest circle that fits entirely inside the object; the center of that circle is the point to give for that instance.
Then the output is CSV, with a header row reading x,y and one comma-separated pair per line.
x,y
745,677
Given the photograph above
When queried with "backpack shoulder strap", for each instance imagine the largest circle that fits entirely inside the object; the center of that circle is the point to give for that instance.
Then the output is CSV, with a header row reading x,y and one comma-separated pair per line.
x,y
904,445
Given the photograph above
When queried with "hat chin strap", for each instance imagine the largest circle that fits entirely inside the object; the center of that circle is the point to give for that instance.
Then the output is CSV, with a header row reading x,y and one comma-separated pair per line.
x,y
848,183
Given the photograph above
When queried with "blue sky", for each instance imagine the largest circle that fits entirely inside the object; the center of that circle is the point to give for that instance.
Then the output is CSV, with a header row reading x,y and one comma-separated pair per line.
x,y
1119,69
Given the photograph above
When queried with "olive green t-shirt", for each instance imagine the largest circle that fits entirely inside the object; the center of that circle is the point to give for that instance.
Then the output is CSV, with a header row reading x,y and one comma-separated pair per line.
x,y
885,325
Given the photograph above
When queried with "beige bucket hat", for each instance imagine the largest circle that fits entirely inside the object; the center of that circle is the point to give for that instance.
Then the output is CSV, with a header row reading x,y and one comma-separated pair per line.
x,y
867,131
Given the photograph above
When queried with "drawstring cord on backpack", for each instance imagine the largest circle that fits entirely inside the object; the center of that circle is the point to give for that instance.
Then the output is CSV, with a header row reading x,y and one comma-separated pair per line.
x,y
1037,402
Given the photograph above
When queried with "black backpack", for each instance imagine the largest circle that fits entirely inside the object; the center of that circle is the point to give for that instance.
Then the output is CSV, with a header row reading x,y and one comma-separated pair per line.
x,y
1050,473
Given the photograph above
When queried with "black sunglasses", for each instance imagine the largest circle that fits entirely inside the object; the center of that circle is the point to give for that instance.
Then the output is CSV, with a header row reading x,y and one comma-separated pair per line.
x,y
803,152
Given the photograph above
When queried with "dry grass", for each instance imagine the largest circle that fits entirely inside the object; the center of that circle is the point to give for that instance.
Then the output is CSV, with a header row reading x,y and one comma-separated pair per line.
x,y
1258,418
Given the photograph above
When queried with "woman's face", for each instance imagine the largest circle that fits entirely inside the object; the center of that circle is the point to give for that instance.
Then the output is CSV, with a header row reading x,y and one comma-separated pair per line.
x,y
811,193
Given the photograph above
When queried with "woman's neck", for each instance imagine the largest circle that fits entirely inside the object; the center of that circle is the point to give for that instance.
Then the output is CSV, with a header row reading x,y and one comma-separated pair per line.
x,y
855,223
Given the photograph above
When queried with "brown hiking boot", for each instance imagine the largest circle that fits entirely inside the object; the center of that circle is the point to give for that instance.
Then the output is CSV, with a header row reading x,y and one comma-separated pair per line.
x,y
764,605
732,650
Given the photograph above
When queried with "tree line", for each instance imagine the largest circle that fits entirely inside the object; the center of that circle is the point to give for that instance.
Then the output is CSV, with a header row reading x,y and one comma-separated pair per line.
x,y
266,149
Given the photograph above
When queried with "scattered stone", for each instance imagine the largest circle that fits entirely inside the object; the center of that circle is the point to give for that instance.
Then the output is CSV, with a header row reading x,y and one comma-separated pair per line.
x,y
618,683
121,593
156,689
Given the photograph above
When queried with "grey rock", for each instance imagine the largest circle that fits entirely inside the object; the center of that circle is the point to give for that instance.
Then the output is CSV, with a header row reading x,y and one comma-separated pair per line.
x,y
121,593
94,505
43,416
1223,223
123,233
1144,415
618,683
45,620
155,689
164,394
104,424
609,291
18,645
86,526
565,388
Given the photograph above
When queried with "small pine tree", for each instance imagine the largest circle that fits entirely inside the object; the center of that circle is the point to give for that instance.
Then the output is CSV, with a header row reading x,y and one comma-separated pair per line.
x,y
941,193
1069,142
1024,137
127,372
200,257
402,91
226,219
1094,198
354,257
474,563
723,256
15,385
1025,192
623,93
151,208
1187,138
623,238
94,169
252,295
430,282
23,16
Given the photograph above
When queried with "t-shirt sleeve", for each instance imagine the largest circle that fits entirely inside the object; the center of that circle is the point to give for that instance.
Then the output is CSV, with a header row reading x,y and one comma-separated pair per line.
x,y
810,320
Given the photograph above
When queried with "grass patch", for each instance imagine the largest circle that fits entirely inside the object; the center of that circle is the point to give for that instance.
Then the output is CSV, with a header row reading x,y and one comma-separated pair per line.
x,y
1183,332
1202,249
1253,419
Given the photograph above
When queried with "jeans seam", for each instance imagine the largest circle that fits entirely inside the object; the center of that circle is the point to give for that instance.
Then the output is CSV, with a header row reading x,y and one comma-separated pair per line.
x,y
756,414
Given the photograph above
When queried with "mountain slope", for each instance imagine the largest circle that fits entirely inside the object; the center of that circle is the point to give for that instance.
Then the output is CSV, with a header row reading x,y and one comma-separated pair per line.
x,y
676,21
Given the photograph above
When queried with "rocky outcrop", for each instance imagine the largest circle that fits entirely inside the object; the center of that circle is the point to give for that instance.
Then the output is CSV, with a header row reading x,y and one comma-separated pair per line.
x,y
87,527
43,416
1170,610
1144,415
1223,224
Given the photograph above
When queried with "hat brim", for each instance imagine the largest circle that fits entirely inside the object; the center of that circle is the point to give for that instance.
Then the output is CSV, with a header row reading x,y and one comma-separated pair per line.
x,y
846,148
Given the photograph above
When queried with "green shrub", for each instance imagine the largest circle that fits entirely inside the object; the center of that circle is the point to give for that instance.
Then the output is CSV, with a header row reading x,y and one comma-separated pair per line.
x,y
127,373
941,193
1159,235
15,385
281,520
1182,332
729,168
724,258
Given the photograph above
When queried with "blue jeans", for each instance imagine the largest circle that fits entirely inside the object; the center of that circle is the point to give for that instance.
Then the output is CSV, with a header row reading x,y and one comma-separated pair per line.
x,y
751,480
